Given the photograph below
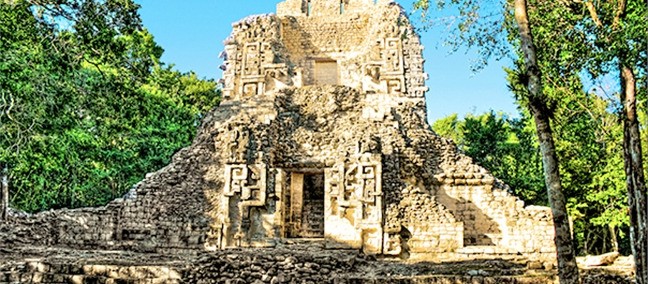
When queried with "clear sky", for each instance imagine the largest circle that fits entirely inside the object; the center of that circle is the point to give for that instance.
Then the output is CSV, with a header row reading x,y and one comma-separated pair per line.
x,y
191,33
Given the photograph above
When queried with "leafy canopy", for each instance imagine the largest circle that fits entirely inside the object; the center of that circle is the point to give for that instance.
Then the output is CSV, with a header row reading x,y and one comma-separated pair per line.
x,y
86,106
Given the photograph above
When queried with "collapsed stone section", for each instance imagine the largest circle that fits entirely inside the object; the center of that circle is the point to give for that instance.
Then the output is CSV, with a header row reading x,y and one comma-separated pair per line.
x,y
321,134
164,213
293,264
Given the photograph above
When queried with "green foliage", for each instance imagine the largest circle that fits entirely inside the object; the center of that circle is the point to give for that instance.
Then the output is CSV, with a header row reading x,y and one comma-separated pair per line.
x,y
505,146
588,139
617,37
500,144
474,24
450,127
570,38
87,111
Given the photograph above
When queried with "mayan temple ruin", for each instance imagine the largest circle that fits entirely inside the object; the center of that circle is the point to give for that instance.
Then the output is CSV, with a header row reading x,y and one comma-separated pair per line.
x,y
321,138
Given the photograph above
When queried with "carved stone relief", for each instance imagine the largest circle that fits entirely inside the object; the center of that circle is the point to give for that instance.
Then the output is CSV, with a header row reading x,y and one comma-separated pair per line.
x,y
393,69
353,205
392,55
252,60
229,70
258,70
237,139
244,194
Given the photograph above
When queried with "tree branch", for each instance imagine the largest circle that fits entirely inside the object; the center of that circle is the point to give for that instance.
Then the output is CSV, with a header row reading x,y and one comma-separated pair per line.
x,y
621,7
593,13
7,111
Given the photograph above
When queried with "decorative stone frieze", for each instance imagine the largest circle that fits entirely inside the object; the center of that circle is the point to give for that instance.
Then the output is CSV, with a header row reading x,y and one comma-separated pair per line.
x,y
245,191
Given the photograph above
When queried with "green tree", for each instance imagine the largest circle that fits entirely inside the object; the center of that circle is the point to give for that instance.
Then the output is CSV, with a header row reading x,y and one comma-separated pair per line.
x,y
607,37
531,94
507,147
450,127
87,107
588,139
618,31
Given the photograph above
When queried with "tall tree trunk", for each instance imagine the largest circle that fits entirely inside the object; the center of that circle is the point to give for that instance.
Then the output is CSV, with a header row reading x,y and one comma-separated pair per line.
x,y
567,268
635,181
613,236
4,188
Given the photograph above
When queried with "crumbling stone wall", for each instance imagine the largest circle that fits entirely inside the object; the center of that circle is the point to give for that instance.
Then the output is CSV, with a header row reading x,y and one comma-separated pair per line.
x,y
392,187
295,264
163,213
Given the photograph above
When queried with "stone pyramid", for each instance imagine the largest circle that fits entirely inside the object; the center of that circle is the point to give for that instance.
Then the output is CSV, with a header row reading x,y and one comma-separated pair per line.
x,y
322,135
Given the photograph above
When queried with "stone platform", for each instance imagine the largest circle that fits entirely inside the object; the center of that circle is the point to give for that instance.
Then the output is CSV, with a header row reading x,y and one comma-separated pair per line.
x,y
291,263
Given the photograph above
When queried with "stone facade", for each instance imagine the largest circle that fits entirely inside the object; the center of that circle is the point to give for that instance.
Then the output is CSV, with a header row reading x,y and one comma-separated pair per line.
x,y
321,134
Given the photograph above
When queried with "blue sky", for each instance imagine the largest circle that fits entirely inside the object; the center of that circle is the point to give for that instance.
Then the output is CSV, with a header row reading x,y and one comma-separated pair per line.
x,y
191,33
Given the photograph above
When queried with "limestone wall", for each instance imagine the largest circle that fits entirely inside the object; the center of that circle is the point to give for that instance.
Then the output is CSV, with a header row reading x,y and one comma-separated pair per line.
x,y
167,212
92,227
492,216
371,42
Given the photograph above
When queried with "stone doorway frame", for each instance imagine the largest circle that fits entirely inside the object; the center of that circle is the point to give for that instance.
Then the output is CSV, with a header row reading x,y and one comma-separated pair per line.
x,y
295,203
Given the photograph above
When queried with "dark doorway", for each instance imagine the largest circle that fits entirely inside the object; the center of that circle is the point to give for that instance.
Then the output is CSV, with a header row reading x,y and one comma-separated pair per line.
x,y
305,205
313,210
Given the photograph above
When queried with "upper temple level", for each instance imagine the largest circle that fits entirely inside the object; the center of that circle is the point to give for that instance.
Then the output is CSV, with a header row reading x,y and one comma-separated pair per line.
x,y
365,44
326,8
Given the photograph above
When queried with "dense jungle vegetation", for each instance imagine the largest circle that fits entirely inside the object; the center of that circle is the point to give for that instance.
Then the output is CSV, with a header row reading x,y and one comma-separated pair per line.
x,y
86,106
